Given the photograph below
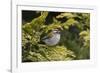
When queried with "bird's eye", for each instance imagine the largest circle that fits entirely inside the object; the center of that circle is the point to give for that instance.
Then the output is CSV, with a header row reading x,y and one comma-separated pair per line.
x,y
58,32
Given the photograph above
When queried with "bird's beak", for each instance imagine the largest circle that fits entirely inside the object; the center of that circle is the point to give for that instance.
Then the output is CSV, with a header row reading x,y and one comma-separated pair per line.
x,y
59,32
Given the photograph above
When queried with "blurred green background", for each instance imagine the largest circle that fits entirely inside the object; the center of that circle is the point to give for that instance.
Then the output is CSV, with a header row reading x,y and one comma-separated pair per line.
x,y
75,36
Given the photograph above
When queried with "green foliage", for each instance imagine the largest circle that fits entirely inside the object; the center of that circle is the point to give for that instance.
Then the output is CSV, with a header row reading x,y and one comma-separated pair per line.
x,y
74,43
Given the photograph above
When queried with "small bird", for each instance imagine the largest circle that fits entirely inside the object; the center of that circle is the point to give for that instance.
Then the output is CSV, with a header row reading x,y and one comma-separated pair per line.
x,y
52,38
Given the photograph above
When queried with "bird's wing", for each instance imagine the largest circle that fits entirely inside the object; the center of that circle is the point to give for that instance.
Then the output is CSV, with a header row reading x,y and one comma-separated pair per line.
x,y
47,36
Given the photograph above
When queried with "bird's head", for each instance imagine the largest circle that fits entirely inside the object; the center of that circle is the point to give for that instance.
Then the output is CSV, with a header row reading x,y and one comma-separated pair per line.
x,y
56,31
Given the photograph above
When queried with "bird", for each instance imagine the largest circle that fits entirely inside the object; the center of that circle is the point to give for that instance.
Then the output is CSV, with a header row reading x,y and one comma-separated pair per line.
x,y
52,38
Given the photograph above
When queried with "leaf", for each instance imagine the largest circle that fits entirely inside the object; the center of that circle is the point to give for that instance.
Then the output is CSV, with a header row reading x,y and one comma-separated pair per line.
x,y
67,15
71,22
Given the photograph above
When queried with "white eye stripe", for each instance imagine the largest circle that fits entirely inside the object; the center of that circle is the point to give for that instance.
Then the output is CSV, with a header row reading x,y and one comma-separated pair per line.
x,y
56,31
